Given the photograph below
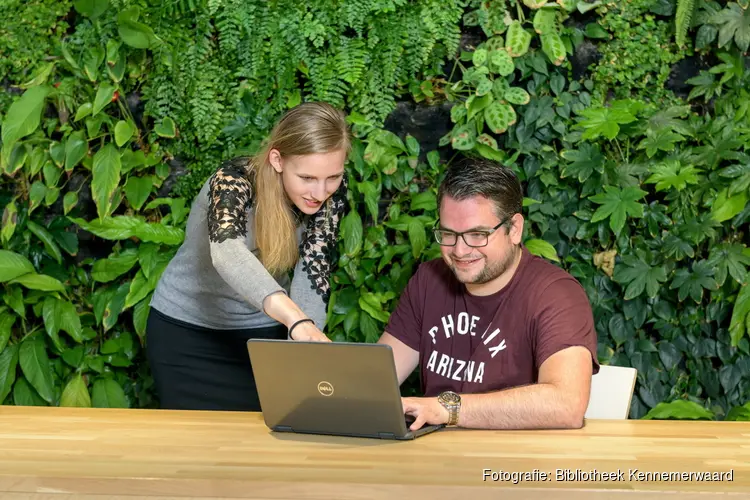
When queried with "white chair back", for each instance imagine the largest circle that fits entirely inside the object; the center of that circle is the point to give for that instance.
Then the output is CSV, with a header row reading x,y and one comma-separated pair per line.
x,y
611,393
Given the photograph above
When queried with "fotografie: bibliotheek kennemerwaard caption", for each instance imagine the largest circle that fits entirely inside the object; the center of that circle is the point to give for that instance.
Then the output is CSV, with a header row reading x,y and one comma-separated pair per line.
x,y
595,475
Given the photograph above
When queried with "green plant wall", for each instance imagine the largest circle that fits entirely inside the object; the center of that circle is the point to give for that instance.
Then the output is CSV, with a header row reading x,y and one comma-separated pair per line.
x,y
627,121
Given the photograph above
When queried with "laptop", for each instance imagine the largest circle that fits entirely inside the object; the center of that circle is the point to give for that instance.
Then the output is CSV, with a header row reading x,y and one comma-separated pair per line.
x,y
333,388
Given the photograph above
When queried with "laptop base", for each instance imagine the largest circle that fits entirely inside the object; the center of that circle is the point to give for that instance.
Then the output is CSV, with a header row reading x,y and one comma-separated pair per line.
x,y
409,436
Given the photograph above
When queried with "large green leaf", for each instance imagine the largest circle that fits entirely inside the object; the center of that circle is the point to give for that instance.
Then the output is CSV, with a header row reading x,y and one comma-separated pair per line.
x,y
618,329
99,299
76,393
669,354
7,319
737,325
372,306
123,227
34,281
585,160
542,248
726,207
104,95
74,356
158,233
9,222
673,175
346,300
107,393
13,265
140,317
137,190
352,233
659,140
70,200
730,376
14,299
606,121
115,306
371,190
62,315
692,282
91,8
110,228
678,410
51,174
24,394
106,178
76,148
148,257
417,236
123,132
739,413
37,193
8,364
139,288
639,277
425,200
731,259
734,22
369,328
115,265
132,32
47,240
618,204
36,367
23,117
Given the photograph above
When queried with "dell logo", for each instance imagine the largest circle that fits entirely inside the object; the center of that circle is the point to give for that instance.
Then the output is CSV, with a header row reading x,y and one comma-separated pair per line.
x,y
325,388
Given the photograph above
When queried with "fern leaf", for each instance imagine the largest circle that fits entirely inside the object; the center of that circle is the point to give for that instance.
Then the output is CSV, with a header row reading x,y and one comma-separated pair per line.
x,y
683,17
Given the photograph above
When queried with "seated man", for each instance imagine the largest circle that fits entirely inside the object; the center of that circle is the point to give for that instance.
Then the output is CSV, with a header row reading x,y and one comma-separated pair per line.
x,y
504,339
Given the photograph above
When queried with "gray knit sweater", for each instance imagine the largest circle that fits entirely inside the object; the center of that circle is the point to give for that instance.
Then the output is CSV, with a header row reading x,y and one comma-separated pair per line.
x,y
215,279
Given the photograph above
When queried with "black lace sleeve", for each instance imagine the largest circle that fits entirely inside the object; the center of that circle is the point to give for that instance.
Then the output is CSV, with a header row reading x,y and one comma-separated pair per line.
x,y
319,242
230,198
230,195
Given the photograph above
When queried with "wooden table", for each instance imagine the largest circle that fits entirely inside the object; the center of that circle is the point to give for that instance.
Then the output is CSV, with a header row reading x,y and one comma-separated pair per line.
x,y
66,453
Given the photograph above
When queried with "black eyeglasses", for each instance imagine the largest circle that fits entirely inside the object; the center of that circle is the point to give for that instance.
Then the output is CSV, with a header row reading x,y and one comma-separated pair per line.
x,y
471,238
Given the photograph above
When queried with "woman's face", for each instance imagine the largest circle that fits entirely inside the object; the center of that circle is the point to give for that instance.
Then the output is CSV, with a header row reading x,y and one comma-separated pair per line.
x,y
309,180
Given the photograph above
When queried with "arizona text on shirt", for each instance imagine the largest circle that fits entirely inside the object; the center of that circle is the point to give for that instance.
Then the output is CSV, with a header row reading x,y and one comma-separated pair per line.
x,y
458,369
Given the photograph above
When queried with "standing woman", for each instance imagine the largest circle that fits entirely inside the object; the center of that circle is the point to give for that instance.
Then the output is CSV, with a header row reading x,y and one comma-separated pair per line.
x,y
255,220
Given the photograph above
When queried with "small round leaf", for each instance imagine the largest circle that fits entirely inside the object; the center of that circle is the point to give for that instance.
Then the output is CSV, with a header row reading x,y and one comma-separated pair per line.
x,y
502,62
517,95
499,87
479,57
499,116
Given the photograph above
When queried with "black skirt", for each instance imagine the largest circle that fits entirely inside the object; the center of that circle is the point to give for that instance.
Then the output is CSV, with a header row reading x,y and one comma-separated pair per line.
x,y
196,368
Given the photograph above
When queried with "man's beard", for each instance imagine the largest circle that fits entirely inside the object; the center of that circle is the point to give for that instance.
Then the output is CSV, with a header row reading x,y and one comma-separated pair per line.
x,y
489,273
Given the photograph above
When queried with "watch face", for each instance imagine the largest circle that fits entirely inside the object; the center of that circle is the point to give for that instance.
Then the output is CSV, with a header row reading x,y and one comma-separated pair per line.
x,y
450,397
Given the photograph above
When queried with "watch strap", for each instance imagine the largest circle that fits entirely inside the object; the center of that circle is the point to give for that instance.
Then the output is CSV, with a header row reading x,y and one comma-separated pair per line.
x,y
452,414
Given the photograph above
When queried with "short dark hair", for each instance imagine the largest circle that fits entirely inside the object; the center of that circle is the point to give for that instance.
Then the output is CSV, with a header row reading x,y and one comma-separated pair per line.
x,y
470,177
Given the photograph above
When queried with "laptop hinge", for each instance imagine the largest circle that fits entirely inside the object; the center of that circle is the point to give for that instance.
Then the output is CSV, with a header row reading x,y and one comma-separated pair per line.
x,y
386,435
283,428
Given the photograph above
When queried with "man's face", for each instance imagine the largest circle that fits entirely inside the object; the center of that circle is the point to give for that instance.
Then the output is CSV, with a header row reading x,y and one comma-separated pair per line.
x,y
479,265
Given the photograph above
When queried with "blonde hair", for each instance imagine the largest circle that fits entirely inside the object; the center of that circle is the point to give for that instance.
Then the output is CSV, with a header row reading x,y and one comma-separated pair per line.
x,y
309,128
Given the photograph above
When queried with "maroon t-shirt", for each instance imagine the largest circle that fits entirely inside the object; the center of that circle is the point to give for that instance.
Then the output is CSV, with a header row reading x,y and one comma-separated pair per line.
x,y
472,344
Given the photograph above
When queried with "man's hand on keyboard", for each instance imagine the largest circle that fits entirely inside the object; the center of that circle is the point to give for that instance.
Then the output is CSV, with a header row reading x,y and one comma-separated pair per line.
x,y
426,411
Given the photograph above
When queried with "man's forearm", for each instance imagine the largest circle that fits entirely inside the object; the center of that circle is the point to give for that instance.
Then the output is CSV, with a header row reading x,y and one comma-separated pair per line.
x,y
533,406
